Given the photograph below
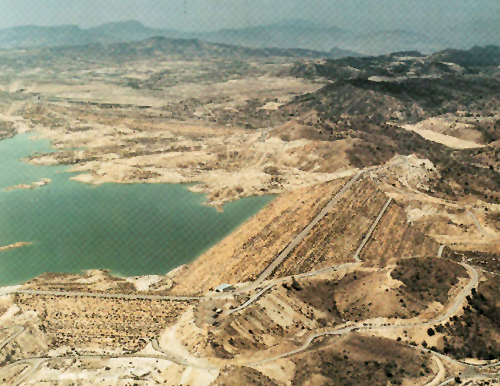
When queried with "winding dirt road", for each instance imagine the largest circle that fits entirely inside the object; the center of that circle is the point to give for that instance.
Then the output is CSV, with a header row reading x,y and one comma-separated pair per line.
x,y
440,375
19,331
35,363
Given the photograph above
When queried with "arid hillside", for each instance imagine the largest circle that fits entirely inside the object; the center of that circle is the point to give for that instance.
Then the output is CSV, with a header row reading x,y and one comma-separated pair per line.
x,y
376,263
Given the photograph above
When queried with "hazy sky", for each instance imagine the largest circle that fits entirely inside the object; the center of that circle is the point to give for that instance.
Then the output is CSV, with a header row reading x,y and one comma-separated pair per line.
x,y
196,15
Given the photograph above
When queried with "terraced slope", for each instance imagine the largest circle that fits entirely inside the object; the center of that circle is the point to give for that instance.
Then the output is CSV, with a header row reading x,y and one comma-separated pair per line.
x,y
248,251
337,236
395,238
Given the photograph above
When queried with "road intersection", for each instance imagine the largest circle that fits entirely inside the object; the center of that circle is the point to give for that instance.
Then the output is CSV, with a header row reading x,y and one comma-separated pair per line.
x,y
35,363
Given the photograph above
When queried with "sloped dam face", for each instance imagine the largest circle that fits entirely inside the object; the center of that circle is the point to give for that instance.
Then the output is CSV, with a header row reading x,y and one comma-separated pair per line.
x,y
130,229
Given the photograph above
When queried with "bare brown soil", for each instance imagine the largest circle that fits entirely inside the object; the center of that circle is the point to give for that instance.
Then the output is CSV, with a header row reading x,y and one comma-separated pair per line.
x,y
408,290
95,282
336,237
488,260
107,324
275,321
250,249
226,163
240,129
243,376
10,376
320,294
7,130
394,238
12,246
361,361
475,333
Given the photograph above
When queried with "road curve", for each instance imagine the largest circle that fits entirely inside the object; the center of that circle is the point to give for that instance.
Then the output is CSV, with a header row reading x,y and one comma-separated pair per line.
x,y
283,279
479,226
19,331
182,361
252,299
440,375
250,287
474,278
35,365
461,297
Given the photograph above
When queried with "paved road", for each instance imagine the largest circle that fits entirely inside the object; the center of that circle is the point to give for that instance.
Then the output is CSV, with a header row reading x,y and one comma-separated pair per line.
x,y
484,243
298,239
419,195
179,360
19,331
281,280
478,377
248,288
474,278
372,229
252,299
37,362
33,366
441,249
479,226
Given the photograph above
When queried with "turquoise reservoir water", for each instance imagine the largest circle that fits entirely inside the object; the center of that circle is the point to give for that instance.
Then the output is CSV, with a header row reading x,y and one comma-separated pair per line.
x,y
132,229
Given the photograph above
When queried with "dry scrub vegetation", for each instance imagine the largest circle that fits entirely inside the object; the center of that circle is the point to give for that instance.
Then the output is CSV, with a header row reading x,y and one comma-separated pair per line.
x,y
90,324
361,361
475,333
336,237
252,247
100,282
132,146
402,240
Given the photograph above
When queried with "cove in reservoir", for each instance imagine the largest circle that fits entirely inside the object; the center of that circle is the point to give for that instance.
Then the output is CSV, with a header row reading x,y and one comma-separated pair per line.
x,y
130,229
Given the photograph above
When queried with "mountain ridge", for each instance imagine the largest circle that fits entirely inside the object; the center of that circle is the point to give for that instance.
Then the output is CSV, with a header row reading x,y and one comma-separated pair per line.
x,y
163,47
303,34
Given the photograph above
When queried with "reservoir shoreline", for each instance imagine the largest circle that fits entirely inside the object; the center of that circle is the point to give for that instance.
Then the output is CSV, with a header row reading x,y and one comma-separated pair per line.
x,y
129,229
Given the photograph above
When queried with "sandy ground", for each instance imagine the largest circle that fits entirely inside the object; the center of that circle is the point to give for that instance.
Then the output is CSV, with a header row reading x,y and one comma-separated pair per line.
x,y
448,222
448,140
34,185
270,87
16,245
226,164
458,127
143,283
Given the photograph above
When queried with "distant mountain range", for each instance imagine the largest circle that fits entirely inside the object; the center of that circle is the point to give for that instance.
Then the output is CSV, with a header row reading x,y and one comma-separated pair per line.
x,y
289,34
69,35
155,48
162,47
